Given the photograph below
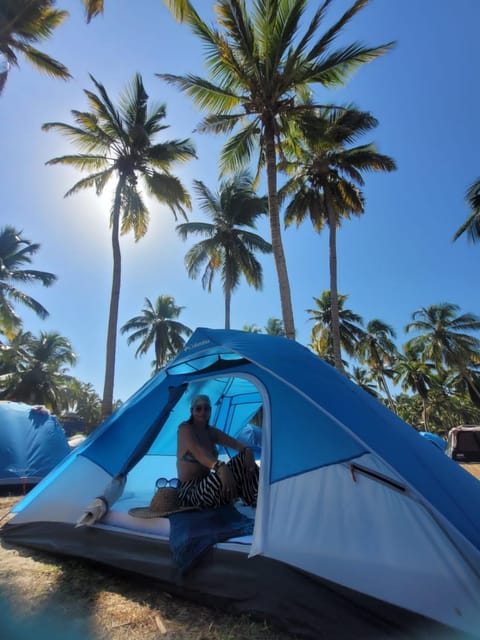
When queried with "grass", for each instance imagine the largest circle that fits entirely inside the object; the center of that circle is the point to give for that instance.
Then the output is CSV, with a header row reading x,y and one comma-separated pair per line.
x,y
46,596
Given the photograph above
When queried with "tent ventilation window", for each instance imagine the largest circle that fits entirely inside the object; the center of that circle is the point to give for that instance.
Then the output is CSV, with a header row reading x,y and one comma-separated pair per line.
x,y
220,364
373,475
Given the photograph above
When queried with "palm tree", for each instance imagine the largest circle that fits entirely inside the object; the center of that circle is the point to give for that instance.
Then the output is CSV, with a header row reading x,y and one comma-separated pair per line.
x,y
443,340
118,142
274,327
14,354
326,180
16,252
262,67
442,336
251,328
363,378
229,246
23,22
158,325
466,382
472,224
377,350
415,375
42,377
84,402
351,331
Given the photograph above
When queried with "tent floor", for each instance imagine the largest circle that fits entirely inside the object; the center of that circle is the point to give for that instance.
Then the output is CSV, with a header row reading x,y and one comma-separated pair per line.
x,y
300,603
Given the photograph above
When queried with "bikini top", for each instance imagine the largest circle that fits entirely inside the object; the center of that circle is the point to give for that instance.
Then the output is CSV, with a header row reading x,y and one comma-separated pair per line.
x,y
189,457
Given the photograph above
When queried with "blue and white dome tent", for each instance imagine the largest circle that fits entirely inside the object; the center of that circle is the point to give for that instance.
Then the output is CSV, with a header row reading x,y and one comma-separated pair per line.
x,y
359,518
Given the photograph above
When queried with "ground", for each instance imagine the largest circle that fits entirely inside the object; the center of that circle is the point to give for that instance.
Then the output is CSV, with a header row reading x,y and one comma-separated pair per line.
x,y
472,468
66,598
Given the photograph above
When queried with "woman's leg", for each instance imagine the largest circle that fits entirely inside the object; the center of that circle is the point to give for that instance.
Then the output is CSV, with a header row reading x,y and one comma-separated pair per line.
x,y
203,493
246,480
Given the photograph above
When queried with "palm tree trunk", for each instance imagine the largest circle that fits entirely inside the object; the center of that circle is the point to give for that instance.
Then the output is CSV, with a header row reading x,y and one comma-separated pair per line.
x,y
228,298
332,242
275,232
391,403
425,414
107,401
380,368
158,354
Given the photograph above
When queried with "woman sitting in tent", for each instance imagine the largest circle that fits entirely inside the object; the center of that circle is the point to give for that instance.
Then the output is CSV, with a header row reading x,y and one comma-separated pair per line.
x,y
206,481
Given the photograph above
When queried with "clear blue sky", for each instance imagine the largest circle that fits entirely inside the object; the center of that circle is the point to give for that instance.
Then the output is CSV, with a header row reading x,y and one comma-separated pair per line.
x,y
395,259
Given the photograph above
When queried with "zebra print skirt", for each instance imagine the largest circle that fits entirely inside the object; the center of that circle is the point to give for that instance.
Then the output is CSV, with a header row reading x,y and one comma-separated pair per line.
x,y
207,492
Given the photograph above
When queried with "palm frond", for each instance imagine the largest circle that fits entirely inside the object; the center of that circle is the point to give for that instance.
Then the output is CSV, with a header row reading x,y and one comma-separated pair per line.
x,y
93,8
204,93
43,62
238,150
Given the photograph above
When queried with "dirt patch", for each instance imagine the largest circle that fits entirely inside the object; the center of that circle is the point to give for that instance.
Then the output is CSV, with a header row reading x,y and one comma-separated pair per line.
x,y
70,599
472,468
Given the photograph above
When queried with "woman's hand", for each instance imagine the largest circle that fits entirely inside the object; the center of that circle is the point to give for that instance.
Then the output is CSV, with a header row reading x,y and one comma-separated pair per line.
x,y
228,483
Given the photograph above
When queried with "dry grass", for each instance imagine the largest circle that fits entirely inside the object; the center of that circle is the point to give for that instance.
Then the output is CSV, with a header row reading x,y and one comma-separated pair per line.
x,y
71,599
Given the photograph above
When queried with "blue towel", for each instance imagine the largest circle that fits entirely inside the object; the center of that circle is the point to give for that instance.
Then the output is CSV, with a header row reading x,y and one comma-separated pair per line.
x,y
192,533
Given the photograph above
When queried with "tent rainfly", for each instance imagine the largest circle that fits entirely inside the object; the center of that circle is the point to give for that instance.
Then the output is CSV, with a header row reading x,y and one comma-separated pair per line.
x,y
32,443
362,528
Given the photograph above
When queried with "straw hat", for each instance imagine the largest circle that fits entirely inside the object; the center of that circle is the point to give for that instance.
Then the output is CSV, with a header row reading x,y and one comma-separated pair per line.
x,y
164,503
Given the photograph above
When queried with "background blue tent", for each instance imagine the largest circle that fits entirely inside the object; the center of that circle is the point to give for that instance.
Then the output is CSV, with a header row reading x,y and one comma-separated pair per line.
x,y
435,439
32,443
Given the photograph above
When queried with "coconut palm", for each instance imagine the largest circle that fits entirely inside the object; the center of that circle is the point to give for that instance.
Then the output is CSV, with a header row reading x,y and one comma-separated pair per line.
x,y
119,143
84,403
443,340
251,328
158,325
274,327
42,377
466,382
14,353
363,378
351,331
472,224
262,65
443,337
326,177
414,374
377,350
16,252
26,22
229,245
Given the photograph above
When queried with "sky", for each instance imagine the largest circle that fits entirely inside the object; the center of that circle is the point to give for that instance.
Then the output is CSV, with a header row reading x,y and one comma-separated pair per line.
x,y
396,258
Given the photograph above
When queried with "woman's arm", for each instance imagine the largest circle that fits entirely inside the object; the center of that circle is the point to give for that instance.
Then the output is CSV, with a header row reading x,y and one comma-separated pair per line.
x,y
227,441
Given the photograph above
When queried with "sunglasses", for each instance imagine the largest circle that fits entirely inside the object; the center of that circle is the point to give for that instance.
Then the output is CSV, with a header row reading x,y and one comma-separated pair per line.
x,y
202,407
163,482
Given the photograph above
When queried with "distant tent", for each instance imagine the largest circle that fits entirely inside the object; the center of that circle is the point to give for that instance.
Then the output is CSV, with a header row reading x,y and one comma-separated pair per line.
x,y
251,436
32,443
435,439
464,443
72,424
363,529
